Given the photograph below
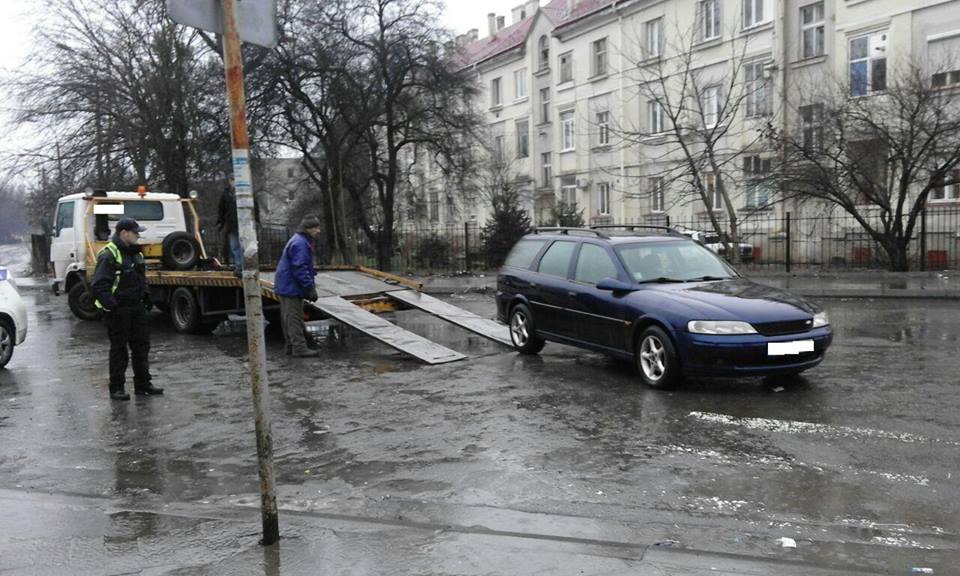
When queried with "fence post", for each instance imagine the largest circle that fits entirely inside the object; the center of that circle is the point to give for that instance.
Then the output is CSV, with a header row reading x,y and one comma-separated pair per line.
x,y
923,239
789,241
466,246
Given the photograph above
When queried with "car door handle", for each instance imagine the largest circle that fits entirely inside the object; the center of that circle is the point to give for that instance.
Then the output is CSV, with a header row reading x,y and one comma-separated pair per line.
x,y
531,284
572,294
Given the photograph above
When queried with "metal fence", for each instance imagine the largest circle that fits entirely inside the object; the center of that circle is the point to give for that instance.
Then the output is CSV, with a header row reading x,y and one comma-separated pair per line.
x,y
272,239
454,249
777,243
839,241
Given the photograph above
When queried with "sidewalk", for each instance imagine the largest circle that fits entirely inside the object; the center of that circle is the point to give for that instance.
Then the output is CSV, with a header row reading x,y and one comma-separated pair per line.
x,y
878,284
85,535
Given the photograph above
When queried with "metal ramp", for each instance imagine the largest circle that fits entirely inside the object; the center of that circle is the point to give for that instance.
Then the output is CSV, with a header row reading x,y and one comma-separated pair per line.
x,y
453,314
390,334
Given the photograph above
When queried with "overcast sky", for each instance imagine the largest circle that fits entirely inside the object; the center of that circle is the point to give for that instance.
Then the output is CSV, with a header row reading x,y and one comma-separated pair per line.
x,y
16,29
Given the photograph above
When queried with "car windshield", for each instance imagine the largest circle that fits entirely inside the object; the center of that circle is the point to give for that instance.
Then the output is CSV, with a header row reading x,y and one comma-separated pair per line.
x,y
672,261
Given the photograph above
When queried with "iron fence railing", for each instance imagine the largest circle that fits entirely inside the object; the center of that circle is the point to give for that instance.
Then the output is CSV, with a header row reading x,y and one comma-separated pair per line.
x,y
768,241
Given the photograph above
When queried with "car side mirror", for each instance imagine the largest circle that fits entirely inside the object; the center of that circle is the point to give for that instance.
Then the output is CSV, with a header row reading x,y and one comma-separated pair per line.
x,y
614,285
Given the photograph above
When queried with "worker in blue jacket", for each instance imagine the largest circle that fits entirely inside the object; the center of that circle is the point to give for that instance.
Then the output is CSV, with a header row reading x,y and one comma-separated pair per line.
x,y
294,282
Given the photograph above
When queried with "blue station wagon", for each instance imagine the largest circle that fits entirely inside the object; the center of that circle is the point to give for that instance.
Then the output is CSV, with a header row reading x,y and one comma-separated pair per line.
x,y
658,298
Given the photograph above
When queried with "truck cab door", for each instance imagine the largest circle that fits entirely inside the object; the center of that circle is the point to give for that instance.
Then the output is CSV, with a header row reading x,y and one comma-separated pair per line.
x,y
65,246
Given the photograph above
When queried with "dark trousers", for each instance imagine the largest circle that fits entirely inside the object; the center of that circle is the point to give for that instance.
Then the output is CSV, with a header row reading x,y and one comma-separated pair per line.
x,y
294,329
127,328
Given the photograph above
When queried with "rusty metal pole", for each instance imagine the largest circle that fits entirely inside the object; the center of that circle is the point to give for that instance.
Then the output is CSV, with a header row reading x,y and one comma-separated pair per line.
x,y
233,62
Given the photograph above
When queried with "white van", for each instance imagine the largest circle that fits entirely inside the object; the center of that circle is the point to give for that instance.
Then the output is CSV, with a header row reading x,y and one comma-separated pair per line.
x,y
13,316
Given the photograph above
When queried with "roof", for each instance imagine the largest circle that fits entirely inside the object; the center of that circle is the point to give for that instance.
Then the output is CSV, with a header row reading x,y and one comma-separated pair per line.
x,y
516,34
155,196
556,10
506,39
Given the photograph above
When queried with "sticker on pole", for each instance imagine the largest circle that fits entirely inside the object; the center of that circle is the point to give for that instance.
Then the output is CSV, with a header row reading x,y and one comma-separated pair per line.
x,y
256,19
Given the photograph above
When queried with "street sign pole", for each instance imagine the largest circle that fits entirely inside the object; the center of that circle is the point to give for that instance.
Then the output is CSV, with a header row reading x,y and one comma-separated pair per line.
x,y
240,140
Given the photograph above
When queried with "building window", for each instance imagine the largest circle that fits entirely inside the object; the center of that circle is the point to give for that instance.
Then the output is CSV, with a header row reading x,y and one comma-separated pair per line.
x,y
547,170
289,172
496,96
568,134
755,12
714,197
708,12
603,128
868,64
711,106
658,202
520,82
653,38
603,198
947,192
811,118
434,206
566,67
945,79
544,52
757,90
523,138
654,117
756,170
600,57
498,148
812,30
544,105
568,190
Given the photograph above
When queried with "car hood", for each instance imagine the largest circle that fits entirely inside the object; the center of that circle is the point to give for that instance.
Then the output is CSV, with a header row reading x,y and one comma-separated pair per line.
x,y
735,299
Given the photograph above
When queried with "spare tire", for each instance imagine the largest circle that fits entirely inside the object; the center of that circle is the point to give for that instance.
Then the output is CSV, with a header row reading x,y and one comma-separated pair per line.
x,y
181,251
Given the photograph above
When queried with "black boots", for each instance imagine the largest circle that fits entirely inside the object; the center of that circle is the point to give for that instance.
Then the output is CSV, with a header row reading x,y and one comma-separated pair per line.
x,y
148,390
119,395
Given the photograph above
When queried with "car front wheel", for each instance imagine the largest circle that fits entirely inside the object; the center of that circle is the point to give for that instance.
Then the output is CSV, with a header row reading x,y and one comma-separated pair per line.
x,y
523,333
656,359
7,338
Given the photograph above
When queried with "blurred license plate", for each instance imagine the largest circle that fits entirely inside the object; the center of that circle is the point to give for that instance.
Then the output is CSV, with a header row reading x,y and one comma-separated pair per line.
x,y
789,348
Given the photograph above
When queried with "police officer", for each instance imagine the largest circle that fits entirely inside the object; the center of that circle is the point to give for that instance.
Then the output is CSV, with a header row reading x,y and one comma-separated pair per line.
x,y
120,290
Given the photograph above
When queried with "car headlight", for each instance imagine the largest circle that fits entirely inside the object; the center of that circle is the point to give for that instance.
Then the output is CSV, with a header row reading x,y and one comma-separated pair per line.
x,y
721,328
820,319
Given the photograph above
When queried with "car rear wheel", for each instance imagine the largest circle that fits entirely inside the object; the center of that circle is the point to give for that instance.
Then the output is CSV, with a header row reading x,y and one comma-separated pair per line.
x,y
185,313
523,333
656,359
7,339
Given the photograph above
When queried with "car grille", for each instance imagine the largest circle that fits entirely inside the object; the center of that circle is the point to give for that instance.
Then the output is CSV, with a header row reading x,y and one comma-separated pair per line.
x,y
781,328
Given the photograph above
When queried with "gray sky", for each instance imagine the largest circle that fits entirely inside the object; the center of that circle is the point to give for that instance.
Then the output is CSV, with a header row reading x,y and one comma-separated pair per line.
x,y
462,15
16,29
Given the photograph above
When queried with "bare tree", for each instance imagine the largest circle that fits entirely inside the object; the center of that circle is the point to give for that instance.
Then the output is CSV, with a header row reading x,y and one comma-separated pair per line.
x,y
123,95
703,127
414,96
878,155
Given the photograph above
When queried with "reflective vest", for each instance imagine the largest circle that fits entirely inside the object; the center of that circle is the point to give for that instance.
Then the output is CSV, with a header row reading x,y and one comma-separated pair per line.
x,y
118,258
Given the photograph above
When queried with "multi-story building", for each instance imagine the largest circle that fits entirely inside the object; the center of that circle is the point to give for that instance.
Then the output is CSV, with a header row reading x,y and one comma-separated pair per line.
x,y
569,91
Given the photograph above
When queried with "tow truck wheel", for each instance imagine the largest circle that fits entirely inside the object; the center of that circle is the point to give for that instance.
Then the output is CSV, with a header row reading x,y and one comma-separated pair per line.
x,y
81,303
185,313
181,251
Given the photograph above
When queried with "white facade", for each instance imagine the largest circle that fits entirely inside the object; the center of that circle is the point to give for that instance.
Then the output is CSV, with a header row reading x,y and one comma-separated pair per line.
x,y
591,127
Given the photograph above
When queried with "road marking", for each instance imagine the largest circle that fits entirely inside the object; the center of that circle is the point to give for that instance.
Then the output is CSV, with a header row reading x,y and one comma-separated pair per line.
x,y
797,427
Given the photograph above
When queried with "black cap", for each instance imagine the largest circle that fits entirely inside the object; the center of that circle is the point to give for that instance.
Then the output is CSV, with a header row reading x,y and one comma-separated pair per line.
x,y
129,224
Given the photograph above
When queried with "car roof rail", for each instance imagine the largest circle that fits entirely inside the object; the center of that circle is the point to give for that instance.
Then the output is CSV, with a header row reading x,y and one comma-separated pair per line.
x,y
566,230
632,227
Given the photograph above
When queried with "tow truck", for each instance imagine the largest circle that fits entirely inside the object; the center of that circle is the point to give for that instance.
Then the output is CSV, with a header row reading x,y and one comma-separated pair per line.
x,y
197,292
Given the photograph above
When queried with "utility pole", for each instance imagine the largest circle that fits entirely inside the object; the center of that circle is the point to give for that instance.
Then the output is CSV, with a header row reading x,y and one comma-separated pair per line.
x,y
243,184
259,27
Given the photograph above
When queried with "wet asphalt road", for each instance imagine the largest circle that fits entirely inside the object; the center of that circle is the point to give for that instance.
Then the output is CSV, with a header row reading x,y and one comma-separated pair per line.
x,y
477,463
